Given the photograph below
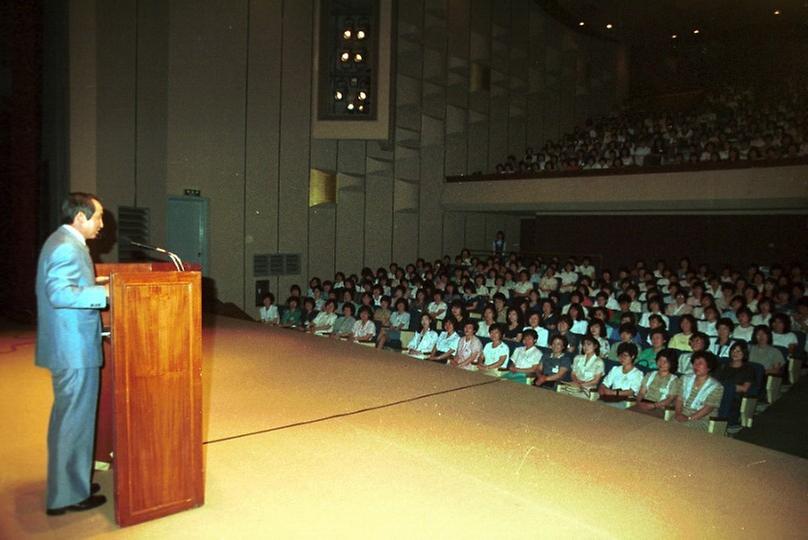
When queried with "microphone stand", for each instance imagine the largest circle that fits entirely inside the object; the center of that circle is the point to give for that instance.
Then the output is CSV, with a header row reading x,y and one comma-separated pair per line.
x,y
173,256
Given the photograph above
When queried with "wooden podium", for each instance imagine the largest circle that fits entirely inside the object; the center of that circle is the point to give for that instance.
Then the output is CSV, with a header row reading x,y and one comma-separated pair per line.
x,y
150,405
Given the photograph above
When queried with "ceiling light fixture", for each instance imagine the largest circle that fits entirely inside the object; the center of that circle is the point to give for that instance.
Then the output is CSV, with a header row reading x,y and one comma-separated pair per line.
x,y
777,12
609,26
674,36
581,23
696,31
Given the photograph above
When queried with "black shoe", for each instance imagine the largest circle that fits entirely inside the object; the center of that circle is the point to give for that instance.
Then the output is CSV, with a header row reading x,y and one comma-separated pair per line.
x,y
93,501
94,488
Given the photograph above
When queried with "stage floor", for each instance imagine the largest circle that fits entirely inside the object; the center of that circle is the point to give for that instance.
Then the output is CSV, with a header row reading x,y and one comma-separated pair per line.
x,y
307,437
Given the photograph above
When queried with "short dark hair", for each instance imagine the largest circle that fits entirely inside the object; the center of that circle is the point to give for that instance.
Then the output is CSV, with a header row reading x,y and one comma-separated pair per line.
x,y
350,306
672,356
530,332
78,202
473,323
765,329
629,348
744,348
691,319
786,320
659,331
268,295
724,321
628,327
563,339
708,357
702,336
595,343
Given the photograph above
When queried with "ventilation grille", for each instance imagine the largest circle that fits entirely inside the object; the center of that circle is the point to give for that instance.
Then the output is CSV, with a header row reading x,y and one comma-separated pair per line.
x,y
276,264
133,224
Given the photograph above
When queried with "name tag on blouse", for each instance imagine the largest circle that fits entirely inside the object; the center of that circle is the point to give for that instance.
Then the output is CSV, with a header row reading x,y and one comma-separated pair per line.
x,y
555,369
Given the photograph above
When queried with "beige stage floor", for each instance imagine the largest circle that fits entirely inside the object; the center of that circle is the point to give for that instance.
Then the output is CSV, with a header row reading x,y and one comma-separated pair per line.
x,y
311,438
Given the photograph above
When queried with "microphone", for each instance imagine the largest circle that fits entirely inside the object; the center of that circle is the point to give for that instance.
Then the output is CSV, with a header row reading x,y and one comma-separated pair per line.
x,y
173,256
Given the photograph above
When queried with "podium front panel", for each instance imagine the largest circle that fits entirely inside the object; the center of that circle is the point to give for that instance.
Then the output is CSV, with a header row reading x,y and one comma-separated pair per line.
x,y
157,349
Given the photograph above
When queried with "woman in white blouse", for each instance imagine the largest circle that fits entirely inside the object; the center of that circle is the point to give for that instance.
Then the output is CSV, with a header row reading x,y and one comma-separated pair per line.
x,y
495,354
469,348
745,328
588,368
437,308
323,323
526,359
269,311
764,312
626,379
446,344
364,330
399,320
489,319
424,340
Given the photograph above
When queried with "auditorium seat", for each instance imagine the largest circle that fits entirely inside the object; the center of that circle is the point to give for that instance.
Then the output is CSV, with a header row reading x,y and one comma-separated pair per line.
x,y
750,400
673,325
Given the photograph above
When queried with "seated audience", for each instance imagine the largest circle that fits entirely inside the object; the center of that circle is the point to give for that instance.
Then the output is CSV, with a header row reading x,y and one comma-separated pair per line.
x,y
513,327
292,315
623,381
525,359
782,336
495,354
738,372
745,328
364,330
656,390
588,368
556,366
647,357
763,353
469,348
681,341
563,329
722,344
344,327
437,308
382,313
698,342
323,323
597,330
533,323
268,312
446,345
627,333
697,393
423,342
489,319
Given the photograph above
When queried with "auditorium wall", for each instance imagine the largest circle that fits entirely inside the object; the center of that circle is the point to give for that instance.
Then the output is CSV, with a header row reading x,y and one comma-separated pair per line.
x,y
620,240
215,95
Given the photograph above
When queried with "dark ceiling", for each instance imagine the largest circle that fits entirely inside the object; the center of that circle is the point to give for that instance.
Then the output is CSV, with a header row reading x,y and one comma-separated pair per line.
x,y
649,21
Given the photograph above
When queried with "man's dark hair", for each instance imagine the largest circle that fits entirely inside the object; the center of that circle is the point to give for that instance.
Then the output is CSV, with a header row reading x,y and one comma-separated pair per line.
x,y
629,348
78,202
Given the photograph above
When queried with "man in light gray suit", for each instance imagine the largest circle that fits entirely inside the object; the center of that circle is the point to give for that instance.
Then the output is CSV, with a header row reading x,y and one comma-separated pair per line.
x,y
69,344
